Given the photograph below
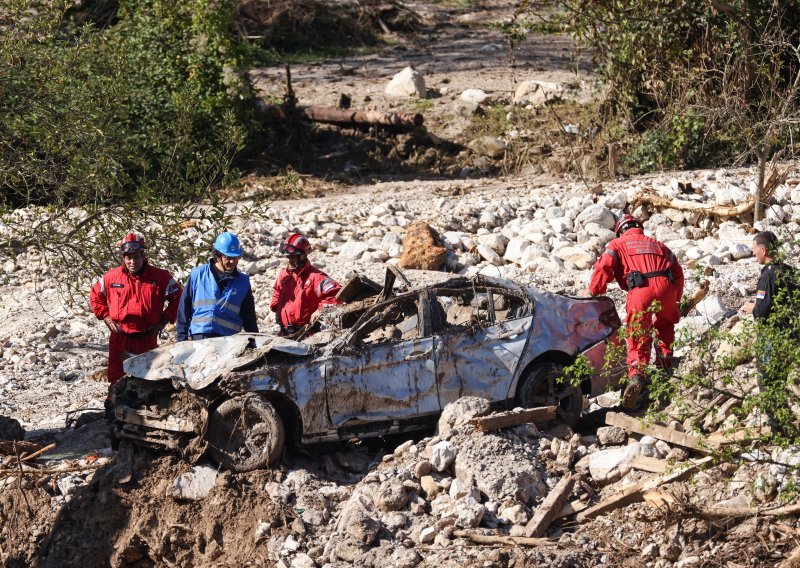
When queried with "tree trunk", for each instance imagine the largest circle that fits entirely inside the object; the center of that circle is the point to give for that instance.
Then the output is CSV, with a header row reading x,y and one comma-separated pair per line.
x,y
758,211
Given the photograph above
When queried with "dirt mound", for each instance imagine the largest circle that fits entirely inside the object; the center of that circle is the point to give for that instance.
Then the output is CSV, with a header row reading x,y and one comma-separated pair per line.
x,y
127,516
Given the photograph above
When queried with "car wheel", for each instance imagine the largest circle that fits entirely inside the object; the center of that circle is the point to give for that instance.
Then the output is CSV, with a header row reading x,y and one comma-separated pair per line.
x,y
540,387
245,433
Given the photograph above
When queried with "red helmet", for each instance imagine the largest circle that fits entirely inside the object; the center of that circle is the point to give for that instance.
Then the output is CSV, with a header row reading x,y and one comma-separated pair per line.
x,y
626,222
295,244
133,242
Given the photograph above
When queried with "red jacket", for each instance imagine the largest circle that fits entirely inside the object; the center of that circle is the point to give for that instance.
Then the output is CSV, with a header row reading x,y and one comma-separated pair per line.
x,y
297,295
136,302
634,251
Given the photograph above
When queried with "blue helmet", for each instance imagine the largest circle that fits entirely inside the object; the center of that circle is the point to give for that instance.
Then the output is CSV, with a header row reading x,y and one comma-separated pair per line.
x,y
228,244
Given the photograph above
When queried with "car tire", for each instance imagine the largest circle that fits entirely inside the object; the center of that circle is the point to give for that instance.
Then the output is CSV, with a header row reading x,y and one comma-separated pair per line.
x,y
245,433
539,387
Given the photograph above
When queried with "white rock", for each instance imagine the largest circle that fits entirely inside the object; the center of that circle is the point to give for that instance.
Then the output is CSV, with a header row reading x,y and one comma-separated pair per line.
x,y
194,485
407,83
494,241
427,535
490,255
476,96
537,93
442,455
353,250
515,249
597,214
576,255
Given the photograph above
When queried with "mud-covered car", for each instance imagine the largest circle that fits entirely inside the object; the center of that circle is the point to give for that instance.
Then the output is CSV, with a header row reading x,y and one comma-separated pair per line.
x,y
385,363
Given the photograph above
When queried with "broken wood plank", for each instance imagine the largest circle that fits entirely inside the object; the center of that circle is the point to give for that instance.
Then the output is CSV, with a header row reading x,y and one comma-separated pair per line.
x,y
635,492
513,418
723,437
503,539
661,432
546,512
696,298
653,465
350,117
571,508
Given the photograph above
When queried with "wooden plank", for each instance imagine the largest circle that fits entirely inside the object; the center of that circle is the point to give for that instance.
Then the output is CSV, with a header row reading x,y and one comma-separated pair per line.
x,y
635,492
571,508
513,418
656,431
653,465
550,507
737,435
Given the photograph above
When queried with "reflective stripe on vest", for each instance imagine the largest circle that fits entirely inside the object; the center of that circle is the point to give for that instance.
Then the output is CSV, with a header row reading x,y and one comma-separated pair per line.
x,y
214,311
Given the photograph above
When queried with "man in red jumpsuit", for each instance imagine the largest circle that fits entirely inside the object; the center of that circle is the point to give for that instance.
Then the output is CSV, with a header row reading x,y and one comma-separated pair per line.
x,y
649,272
135,301
300,290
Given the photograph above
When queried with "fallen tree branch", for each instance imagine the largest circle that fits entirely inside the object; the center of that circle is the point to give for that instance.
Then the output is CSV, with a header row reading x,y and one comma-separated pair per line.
x,y
660,432
697,297
37,453
51,470
502,539
733,512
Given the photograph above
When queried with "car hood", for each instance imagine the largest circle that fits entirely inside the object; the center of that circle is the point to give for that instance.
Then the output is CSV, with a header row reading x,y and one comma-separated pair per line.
x,y
197,364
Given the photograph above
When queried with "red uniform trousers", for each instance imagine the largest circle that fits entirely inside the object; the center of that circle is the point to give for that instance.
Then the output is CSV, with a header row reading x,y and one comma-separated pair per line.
x,y
120,347
641,322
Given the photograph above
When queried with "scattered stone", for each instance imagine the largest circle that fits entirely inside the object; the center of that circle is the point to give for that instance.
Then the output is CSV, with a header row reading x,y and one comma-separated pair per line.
x,y
407,83
196,484
422,248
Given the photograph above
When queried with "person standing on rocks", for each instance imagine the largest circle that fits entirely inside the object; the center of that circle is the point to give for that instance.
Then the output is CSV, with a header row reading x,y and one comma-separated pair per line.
x,y
300,290
135,301
776,303
653,278
217,300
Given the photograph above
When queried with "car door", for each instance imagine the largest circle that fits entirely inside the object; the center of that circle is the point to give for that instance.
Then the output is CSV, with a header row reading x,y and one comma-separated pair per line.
x,y
480,341
384,368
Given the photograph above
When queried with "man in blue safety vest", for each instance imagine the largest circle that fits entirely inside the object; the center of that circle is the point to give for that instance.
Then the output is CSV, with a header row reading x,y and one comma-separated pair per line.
x,y
217,299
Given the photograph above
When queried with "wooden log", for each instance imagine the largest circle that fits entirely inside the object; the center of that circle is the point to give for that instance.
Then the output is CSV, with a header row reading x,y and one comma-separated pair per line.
x,y
571,508
550,507
351,117
635,492
501,420
503,539
656,431
696,298
733,512
651,198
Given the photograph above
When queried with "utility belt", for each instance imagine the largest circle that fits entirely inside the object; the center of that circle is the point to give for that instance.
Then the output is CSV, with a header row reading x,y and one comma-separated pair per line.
x,y
638,279
139,334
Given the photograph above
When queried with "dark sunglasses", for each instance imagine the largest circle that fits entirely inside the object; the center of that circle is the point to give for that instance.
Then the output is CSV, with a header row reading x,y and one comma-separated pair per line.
x,y
289,250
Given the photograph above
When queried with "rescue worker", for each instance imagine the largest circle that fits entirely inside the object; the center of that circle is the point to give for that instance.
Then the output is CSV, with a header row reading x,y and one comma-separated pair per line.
x,y
300,289
217,300
649,272
777,281
135,301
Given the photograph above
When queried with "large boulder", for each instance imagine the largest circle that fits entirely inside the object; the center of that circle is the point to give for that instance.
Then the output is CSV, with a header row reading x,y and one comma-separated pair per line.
x,y
423,248
501,469
597,214
538,93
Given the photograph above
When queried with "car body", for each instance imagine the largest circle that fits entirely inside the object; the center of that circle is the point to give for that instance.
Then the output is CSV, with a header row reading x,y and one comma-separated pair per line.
x,y
385,363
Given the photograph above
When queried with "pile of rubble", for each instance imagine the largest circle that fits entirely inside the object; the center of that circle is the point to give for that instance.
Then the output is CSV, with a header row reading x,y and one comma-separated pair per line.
x,y
465,496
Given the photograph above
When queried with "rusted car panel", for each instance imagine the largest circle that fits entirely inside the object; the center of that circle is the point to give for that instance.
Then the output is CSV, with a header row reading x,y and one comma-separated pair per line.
x,y
386,363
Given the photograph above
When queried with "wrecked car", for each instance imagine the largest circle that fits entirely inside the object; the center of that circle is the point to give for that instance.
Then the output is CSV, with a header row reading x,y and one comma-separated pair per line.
x,y
385,363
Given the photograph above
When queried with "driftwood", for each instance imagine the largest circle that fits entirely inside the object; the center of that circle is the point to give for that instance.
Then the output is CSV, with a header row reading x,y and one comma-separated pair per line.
x,y
502,539
733,512
774,178
550,507
397,121
37,453
635,492
723,437
697,297
513,418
